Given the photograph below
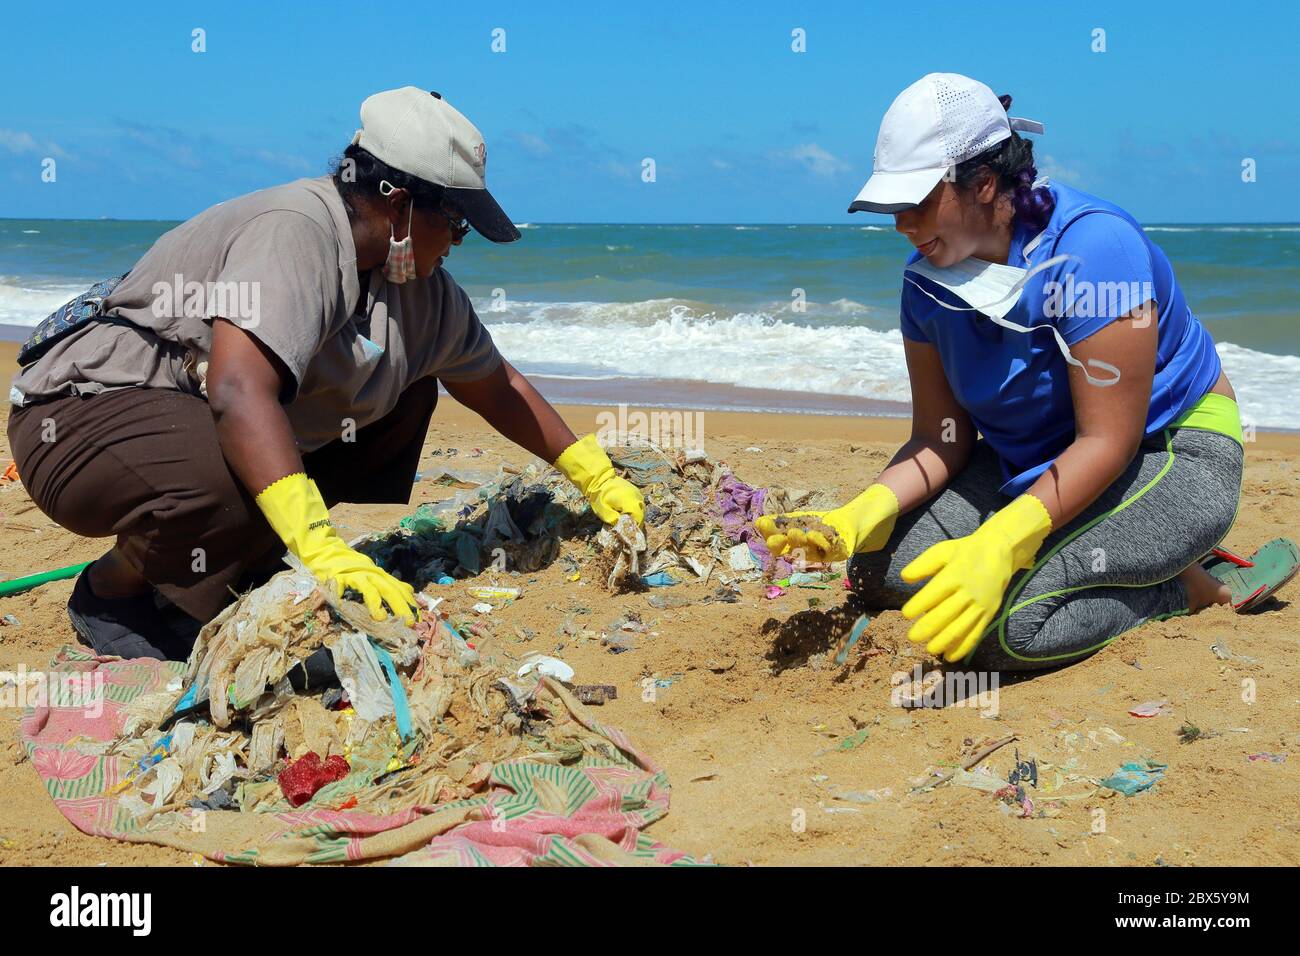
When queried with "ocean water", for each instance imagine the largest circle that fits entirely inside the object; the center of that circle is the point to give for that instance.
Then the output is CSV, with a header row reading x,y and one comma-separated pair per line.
x,y
799,309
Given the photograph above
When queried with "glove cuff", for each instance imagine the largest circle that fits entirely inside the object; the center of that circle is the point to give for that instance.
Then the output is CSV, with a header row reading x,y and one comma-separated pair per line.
x,y
1025,523
296,512
583,462
874,513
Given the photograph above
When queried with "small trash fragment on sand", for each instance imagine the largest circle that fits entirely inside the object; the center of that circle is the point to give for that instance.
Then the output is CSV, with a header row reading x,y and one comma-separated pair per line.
x,y
618,642
1134,777
547,666
1025,771
855,634
863,796
660,579
9,621
595,694
705,776
1106,733
853,740
976,780
1015,796
773,591
1152,708
504,595
1221,651
1267,758
665,602
740,558
482,607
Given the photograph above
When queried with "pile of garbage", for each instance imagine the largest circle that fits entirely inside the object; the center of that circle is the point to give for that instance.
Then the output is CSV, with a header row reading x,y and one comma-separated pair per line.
x,y
295,698
420,718
698,526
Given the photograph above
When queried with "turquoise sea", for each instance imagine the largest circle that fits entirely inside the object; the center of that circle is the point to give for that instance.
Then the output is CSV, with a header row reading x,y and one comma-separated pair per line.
x,y
798,309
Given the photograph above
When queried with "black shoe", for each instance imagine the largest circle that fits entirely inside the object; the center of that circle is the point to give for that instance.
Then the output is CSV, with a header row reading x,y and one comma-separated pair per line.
x,y
126,627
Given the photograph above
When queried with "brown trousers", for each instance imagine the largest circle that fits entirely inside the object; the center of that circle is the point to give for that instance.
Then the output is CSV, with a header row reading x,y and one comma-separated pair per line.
x,y
144,465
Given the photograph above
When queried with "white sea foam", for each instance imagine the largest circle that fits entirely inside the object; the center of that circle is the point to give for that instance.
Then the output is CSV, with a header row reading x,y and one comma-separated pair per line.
x,y
22,305
668,338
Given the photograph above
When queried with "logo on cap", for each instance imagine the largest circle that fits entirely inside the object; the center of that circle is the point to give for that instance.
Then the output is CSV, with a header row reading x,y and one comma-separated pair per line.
x,y
481,152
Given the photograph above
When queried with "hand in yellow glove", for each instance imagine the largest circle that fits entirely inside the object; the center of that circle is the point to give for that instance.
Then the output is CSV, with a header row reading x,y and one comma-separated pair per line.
x,y
969,577
297,513
586,465
864,524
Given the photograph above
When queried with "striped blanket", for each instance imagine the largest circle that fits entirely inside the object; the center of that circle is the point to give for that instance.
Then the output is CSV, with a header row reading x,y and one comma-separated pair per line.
x,y
591,813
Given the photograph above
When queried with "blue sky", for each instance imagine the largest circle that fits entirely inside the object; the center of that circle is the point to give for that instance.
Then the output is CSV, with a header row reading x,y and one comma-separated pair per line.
x,y
741,128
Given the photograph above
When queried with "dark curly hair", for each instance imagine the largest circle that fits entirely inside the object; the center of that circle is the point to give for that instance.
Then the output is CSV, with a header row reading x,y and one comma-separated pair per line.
x,y
357,173
1012,162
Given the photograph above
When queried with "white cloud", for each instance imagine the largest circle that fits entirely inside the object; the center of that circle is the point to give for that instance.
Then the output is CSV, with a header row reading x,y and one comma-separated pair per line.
x,y
817,160
1057,172
18,142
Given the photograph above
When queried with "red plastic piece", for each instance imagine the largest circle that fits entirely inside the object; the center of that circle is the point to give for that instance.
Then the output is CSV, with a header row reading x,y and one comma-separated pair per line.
x,y
302,778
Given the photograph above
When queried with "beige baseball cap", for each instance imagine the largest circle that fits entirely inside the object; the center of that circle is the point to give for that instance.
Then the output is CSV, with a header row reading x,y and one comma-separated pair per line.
x,y
420,133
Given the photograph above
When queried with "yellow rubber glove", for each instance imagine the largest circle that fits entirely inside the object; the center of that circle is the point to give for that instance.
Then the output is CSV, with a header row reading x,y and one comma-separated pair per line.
x,y
586,465
969,577
864,524
297,513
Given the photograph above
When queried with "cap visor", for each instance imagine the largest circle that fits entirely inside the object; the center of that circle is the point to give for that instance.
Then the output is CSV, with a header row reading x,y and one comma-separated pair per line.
x,y
484,214
896,192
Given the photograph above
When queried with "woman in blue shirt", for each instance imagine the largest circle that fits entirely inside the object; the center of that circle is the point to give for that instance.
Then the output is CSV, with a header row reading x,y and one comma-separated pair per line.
x,y
1110,458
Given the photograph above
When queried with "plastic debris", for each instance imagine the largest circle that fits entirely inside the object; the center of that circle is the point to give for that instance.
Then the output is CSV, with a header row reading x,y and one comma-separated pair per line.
x,y
773,591
482,607
855,634
740,558
548,666
301,779
1268,758
362,677
977,780
495,594
1152,708
1025,771
1133,777
9,621
660,579
863,796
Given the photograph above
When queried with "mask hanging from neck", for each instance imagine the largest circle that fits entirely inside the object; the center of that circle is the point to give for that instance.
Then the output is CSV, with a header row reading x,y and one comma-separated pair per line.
x,y
999,288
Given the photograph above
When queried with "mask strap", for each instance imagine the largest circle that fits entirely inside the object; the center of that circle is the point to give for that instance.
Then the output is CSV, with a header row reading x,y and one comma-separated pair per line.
x,y
387,189
1060,340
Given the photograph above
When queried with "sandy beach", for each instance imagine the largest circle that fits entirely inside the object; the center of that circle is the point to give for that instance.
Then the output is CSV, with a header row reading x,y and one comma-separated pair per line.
x,y
756,728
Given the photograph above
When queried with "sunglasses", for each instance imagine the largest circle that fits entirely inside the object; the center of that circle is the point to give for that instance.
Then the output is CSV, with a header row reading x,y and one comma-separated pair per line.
x,y
455,221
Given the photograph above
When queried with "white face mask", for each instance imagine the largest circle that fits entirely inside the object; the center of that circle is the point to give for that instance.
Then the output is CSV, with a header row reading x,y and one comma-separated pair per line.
x,y
998,287
399,267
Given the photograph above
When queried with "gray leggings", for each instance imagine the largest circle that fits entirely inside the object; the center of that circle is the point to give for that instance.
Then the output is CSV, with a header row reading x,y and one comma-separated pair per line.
x,y
1110,569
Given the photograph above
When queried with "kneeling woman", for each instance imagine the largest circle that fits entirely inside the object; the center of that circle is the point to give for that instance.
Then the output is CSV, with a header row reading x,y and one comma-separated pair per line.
x,y
1111,454
275,355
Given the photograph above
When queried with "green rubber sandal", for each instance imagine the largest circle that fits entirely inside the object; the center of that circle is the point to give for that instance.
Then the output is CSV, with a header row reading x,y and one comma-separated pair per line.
x,y
1255,579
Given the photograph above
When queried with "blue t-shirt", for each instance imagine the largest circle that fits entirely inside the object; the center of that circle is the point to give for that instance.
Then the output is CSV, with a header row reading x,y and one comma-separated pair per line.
x,y
1015,385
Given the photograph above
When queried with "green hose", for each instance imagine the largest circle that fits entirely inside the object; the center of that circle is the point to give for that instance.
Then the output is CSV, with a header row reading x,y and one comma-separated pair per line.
x,y
19,585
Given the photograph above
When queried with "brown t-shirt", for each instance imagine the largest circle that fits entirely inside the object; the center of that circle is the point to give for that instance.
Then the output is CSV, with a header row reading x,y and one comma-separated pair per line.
x,y
280,263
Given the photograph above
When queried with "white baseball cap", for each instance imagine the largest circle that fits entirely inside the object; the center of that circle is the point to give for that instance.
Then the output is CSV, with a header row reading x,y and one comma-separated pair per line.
x,y
422,134
940,120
